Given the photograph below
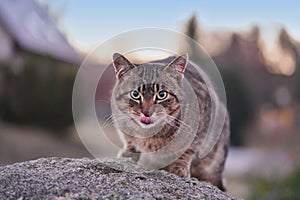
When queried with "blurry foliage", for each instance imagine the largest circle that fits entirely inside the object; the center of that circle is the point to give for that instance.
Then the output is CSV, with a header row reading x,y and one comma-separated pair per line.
x,y
192,27
239,104
285,189
40,94
192,30
286,43
238,95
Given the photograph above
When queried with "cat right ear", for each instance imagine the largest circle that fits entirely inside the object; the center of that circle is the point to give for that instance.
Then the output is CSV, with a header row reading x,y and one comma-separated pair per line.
x,y
179,63
121,64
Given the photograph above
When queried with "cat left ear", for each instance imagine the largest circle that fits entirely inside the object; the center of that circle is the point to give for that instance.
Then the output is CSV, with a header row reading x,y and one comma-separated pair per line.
x,y
121,64
179,63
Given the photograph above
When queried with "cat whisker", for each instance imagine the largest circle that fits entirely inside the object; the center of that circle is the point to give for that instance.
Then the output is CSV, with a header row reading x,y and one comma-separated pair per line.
x,y
178,120
102,100
120,117
182,123
108,121
113,118
180,129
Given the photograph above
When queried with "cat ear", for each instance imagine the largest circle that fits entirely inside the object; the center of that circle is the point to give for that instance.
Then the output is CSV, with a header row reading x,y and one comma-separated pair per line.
x,y
179,63
121,64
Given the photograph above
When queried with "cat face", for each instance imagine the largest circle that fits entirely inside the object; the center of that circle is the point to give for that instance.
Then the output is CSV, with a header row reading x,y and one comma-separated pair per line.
x,y
147,95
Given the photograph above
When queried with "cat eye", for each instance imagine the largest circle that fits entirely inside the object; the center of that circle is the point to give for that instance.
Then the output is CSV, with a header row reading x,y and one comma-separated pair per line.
x,y
135,95
161,95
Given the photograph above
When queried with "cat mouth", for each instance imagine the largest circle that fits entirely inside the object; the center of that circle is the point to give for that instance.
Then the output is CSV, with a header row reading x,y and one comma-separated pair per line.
x,y
147,120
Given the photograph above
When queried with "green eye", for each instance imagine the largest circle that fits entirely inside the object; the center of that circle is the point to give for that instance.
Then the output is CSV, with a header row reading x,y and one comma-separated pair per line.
x,y
161,95
135,95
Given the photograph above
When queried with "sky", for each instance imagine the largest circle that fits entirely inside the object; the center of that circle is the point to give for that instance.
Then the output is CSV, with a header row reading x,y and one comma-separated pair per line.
x,y
88,23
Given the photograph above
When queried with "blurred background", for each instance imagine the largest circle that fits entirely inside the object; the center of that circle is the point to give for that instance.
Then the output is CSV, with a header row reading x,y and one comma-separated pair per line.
x,y
255,45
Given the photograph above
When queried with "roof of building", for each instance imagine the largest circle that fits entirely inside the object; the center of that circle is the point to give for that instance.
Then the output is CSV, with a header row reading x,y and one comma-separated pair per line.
x,y
29,24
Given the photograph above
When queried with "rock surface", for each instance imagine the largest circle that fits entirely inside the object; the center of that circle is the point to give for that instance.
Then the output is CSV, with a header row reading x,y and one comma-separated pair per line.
x,y
64,178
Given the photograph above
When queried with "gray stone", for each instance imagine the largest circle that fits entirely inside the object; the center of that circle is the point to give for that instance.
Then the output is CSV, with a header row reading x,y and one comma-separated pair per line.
x,y
65,178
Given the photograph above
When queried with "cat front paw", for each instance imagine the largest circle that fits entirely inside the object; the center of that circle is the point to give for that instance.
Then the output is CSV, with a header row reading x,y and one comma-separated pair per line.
x,y
179,170
128,154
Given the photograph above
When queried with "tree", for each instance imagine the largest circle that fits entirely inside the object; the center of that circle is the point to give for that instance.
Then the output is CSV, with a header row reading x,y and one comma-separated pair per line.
x,y
192,30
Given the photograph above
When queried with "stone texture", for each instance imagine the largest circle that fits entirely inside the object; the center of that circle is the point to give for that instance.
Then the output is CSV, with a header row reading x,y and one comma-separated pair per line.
x,y
65,178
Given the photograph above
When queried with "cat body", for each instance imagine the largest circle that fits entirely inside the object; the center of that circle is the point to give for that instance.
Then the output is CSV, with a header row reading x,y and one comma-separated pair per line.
x,y
148,107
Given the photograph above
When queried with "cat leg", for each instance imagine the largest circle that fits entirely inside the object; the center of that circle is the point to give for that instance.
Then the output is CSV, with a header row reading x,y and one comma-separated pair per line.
x,y
181,167
213,178
210,168
130,151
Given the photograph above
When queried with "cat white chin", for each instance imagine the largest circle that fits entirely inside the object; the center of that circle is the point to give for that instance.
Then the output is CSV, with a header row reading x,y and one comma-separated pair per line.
x,y
147,126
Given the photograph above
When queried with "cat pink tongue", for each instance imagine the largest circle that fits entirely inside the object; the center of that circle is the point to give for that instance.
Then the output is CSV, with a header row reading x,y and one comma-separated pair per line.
x,y
146,120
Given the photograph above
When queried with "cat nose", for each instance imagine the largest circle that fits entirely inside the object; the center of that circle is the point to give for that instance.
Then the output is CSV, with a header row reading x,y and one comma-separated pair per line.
x,y
147,112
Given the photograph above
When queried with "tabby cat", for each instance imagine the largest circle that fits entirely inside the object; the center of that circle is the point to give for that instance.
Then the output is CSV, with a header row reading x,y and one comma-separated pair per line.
x,y
149,112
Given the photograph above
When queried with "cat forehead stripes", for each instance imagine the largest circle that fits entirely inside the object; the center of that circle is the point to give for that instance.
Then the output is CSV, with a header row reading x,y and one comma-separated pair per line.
x,y
122,65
